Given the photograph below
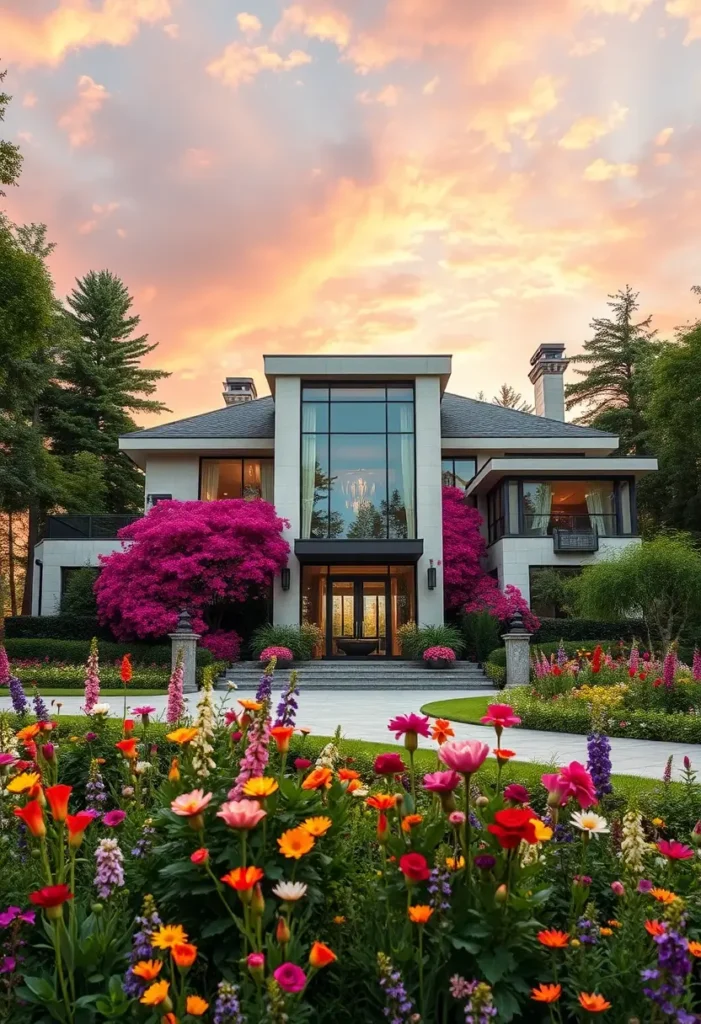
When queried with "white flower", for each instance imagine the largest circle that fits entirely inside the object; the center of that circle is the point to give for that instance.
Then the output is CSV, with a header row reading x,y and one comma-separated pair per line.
x,y
100,709
589,822
142,766
290,892
361,792
231,686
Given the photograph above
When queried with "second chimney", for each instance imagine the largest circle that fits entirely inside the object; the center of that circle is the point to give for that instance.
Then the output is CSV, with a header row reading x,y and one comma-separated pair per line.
x,y
239,389
549,364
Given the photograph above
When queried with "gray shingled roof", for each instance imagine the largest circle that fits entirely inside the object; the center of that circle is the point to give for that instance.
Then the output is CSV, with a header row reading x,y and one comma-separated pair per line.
x,y
460,417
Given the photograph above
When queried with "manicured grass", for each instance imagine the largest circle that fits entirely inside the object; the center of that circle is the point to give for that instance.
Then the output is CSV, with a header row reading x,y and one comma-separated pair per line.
x,y
75,692
461,709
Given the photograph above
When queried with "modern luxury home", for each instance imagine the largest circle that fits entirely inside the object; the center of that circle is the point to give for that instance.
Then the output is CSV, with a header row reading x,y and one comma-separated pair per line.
x,y
353,451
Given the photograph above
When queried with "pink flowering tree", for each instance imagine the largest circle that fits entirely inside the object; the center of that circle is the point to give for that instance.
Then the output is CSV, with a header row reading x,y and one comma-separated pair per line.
x,y
204,555
467,585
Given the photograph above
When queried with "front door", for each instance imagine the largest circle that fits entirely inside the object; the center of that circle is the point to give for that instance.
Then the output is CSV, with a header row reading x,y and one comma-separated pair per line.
x,y
356,618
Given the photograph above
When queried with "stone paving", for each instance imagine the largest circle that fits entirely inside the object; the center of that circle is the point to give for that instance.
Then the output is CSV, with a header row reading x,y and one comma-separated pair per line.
x,y
364,716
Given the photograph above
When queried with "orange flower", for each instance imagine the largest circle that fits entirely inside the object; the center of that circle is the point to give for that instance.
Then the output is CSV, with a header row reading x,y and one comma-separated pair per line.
x,y
654,928
260,788
504,755
196,1006
420,913
250,705
316,826
606,932
174,772
593,1003
295,842
29,732
546,993
353,785
58,800
33,817
282,735
169,1018
183,735
553,939
318,778
321,956
441,731
694,947
614,923
126,671
382,801
347,774
168,935
156,994
184,954
663,895
147,969
128,748
243,879
410,820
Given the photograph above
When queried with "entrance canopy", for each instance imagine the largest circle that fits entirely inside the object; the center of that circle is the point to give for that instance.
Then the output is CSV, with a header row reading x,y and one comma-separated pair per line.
x,y
359,552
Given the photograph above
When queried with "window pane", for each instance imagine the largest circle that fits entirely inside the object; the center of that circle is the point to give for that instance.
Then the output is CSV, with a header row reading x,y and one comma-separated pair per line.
x,y
315,417
464,471
357,394
315,394
401,510
400,394
359,491
448,473
400,417
315,488
402,610
513,506
252,482
221,478
624,499
358,417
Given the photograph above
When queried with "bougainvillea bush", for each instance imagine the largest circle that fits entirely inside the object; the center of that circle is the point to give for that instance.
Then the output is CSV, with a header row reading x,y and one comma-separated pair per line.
x,y
216,872
204,555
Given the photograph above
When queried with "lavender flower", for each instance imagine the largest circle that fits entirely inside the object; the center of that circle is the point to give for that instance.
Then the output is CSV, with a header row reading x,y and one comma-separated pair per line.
x,y
110,869
439,889
587,932
479,1007
18,696
670,977
265,684
599,762
561,834
561,655
399,1009
287,708
143,845
227,1007
95,792
141,947
40,708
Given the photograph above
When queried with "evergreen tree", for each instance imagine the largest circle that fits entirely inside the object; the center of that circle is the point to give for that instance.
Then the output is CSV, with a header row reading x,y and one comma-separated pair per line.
x,y
509,398
100,383
618,361
10,156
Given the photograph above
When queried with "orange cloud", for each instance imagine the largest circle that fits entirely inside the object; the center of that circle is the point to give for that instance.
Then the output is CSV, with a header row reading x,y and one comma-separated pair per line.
x,y
195,161
512,117
29,40
172,30
601,170
249,24
77,121
587,130
387,97
318,22
240,63
585,47
630,8
664,136
689,9
431,86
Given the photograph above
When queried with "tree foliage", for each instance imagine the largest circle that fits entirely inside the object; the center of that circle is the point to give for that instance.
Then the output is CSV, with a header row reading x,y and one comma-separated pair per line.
x,y
10,156
509,398
79,596
199,554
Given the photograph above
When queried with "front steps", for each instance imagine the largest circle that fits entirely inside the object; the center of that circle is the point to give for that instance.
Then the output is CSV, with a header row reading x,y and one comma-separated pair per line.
x,y
371,674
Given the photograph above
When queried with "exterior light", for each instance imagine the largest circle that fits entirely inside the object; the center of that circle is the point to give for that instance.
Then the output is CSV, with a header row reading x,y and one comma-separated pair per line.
x,y
285,578
432,576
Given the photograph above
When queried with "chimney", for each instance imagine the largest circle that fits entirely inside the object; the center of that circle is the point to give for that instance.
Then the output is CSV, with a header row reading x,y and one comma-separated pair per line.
x,y
549,364
238,390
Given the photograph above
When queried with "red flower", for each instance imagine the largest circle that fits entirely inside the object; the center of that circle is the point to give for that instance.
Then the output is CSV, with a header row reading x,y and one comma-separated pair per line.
x,y
76,824
389,764
511,826
673,850
631,673
51,898
58,800
126,671
200,856
128,726
556,670
128,747
414,867
596,659
33,817
643,676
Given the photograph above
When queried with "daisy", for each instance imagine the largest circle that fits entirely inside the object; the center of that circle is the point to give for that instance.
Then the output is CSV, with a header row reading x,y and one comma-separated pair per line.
x,y
589,822
290,892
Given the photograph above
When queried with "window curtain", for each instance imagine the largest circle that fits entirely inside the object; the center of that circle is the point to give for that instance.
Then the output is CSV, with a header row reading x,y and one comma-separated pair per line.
x,y
267,478
210,480
406,422
309,459
596,507
542,505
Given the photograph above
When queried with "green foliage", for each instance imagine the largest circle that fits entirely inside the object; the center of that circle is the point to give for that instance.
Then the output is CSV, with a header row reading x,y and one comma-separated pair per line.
x,y
572,648
84,489
659,580
497,674
10,156
75,652
415,639
581,630
550,587
301,640
52,676
79,597
56,627
481,632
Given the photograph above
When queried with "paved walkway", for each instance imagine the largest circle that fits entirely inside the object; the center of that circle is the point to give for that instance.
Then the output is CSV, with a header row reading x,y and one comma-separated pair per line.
x,y
364,716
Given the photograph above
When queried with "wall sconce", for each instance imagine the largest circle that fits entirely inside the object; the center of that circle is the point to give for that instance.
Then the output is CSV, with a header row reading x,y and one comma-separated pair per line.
x,y
285,578
432,576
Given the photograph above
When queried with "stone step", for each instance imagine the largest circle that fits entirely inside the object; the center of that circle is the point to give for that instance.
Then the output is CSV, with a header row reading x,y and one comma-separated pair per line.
x,y
244,686
361,675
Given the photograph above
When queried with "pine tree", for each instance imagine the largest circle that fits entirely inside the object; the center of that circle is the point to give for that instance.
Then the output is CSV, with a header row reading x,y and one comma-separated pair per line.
x,y
100,384
10,156
618,358
509,398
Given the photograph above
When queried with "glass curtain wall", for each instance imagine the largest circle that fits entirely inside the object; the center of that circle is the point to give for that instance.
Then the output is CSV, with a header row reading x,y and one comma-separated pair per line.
x,y
358,478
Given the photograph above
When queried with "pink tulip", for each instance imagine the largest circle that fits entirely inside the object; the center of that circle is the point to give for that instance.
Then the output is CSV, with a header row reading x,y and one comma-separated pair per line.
x,y
618,888
242,814
441,782
464,756
457,818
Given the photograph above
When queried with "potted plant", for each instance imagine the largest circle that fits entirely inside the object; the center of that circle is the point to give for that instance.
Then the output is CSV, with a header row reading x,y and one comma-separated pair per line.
x,y
439,657
283,654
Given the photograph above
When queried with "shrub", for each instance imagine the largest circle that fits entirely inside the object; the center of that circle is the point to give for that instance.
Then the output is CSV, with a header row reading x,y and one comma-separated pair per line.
x,y
281,653
497,673
415,639
439,654
225,645
56,627
79,598
554,630
482,632
75,652
301,640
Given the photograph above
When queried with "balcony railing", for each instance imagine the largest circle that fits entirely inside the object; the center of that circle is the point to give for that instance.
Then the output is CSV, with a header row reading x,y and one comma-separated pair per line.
x,y
604,525
103,527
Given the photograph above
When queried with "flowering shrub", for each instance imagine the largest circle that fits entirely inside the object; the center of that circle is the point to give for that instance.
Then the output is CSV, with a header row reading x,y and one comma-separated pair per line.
x,y
280,653
225,645
439,654
207,870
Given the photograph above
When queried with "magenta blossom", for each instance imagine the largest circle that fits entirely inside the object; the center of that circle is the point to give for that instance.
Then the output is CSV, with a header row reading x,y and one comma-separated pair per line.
x,y
255,960
441,782
517,793
145,709
6,760
290,978
416,724
673,850
571,781
8,964
618,888
456,818
464,756
501,716
388,764
114,818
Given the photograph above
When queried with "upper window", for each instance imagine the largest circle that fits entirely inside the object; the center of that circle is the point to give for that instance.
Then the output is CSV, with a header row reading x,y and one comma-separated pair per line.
x,y
358,462
236,478
458,472
569,505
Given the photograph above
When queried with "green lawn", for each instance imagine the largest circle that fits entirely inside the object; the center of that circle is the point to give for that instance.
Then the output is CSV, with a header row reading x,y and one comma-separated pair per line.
x,y
74,691
461,709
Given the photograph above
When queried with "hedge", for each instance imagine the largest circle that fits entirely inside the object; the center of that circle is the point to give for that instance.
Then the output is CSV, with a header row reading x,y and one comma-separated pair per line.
x,y
497,674
75,652
579,630
56,627
72,677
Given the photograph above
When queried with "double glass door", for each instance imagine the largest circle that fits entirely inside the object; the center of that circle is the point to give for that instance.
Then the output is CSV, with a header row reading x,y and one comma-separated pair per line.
x,y
356,618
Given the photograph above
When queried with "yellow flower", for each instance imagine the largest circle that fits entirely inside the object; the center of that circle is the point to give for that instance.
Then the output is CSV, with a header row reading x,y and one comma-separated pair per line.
x,y
658,822
316,826
169,935
542,832
21,783
260,788
339,919
250,705
156,994
196,1006
295,843
453,864
183,735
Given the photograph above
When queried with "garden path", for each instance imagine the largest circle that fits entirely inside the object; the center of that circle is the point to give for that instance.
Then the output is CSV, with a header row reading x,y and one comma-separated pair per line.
x,y
364,716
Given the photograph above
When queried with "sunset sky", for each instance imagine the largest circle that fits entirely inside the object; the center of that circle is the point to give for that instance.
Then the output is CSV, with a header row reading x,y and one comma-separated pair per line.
x,y
463,176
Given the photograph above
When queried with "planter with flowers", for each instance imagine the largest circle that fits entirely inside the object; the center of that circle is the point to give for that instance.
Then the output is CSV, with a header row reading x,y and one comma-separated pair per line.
x,y
284,656
439,657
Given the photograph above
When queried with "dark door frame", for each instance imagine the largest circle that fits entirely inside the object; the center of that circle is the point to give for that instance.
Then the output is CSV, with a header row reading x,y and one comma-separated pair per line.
x,y
358,608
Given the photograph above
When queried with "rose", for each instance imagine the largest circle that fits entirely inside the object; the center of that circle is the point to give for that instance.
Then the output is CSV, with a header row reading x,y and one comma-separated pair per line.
x,y
290,978
414,867
513,825
389,764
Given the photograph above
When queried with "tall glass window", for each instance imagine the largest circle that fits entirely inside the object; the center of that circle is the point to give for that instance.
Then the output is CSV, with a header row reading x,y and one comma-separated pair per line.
x,y
236,478
358,462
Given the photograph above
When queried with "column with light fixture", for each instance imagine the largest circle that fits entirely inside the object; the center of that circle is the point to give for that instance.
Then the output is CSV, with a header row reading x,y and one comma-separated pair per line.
x,y
286,588
429,525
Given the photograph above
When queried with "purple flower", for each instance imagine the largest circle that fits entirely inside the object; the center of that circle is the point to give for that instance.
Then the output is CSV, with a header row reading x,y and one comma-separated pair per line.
x,y
4,667
644,885
110,870
439,889
114,818
484,861
398,1009
8,916
287,708
40,708
90,736
599,763
28,916
265,686
670,977
7,965
141,947
18,697
227,1007
95,792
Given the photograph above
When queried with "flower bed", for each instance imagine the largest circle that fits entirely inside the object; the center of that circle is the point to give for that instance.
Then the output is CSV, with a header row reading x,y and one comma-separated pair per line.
x,y
205,870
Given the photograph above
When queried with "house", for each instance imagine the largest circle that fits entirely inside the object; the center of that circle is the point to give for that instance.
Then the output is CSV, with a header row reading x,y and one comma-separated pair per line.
x,y
353,451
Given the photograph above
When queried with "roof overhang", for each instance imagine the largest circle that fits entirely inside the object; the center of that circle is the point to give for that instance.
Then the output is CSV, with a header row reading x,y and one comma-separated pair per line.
x,y
596,445
496,469
358,552
138,449
358,367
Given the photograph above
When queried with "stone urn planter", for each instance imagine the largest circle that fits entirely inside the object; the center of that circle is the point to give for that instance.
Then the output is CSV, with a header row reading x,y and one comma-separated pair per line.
x,y
440,658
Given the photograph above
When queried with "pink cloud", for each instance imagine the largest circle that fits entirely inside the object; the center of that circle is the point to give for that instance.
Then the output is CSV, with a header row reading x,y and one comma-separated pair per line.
x,y
240,64
249,24
77,121
316,20
691,11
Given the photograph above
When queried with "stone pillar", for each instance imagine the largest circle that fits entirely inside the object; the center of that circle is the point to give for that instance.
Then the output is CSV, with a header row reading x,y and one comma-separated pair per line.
x,y
518,658
183,639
